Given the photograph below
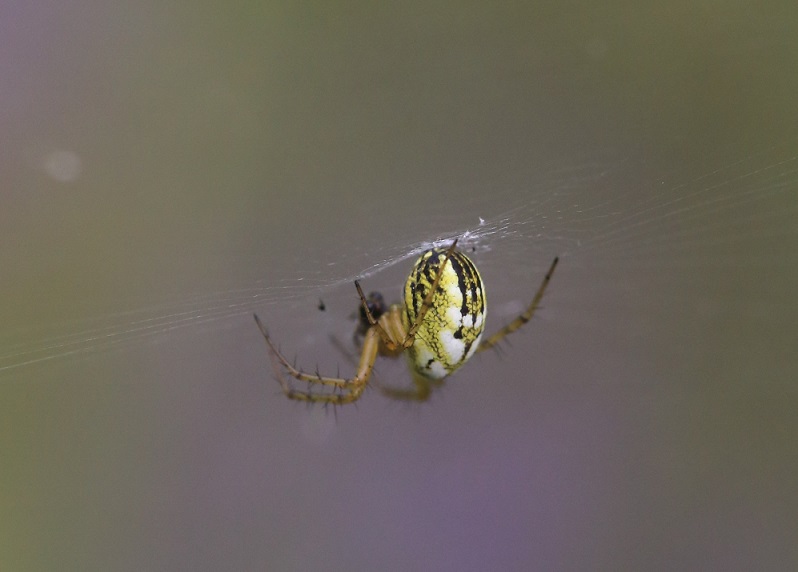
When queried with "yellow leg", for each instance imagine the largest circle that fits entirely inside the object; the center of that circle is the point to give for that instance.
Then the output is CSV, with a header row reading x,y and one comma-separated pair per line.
x,y
351,389
523,318
420,392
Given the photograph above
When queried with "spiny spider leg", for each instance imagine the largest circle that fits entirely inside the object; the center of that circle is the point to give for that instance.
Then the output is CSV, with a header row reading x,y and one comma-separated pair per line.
x,y
350,388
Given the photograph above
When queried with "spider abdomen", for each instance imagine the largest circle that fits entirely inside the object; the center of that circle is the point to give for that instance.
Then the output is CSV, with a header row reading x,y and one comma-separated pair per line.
x,y
453,325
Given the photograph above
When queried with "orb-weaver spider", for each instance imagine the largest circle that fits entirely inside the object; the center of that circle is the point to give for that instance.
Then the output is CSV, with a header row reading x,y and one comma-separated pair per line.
x,y
440,326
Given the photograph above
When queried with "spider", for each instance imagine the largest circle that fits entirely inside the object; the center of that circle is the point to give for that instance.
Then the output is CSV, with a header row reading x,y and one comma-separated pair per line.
x,y
439,325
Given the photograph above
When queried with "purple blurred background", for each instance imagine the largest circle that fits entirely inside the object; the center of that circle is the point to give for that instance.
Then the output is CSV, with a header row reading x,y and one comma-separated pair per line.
x,y
168,169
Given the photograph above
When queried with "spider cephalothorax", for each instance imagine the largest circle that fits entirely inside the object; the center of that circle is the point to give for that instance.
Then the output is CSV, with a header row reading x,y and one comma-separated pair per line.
x,y
439,324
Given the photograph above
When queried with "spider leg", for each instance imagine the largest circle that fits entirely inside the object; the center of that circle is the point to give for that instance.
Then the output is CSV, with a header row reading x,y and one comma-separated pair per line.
x,y
524,317
291,369
350,389
421,390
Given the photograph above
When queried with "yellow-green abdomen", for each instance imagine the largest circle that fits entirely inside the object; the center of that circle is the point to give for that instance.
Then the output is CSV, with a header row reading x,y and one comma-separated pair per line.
x,y
453,325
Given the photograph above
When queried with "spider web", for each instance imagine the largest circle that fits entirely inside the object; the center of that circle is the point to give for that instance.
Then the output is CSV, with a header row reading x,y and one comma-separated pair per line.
x,y
725,211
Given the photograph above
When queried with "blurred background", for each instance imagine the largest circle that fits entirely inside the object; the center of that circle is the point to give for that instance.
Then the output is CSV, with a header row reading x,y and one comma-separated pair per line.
x,y
169,168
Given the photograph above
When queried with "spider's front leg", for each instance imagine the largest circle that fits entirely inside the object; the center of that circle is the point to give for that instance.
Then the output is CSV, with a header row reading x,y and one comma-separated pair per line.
x,y
351,389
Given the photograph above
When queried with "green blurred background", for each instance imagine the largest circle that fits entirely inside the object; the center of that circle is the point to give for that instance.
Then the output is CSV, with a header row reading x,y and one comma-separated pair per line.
x,y
169,168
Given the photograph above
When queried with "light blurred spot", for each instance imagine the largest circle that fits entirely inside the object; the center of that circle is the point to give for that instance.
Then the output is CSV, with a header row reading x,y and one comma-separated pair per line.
x,y
63,166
